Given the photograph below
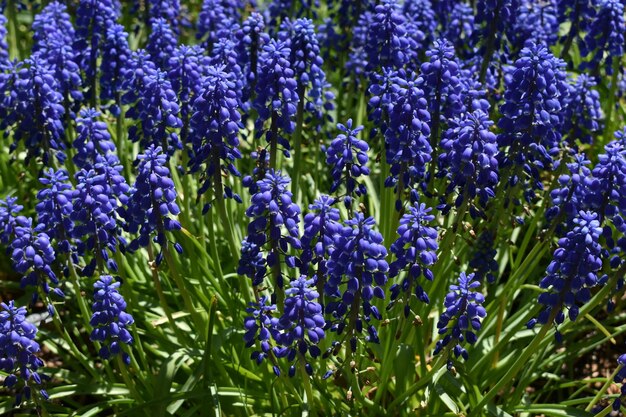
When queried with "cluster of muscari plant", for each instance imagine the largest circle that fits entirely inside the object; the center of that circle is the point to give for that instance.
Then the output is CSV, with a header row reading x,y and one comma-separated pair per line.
x,y
435,125
462,317
532,117
347,155
110,320
18,353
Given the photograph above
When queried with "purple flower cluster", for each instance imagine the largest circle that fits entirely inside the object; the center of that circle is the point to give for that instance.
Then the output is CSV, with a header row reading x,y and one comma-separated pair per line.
x,y
115,56
93,140
532,116
572,272
357,272
18,352
469,160
152,203
463,303
277,96
347,155
110,320
33,256
415,251
321,225
215,126
272,213
55,207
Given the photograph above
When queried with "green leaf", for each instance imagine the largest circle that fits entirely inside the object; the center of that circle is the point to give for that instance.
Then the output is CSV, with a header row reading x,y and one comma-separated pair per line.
x,y
163,382
402,365
554,410
243,372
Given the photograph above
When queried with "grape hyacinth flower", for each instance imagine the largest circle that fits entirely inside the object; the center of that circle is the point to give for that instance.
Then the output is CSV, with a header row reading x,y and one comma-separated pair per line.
x,y
301,325
535,21
357,62
110,168
383,91
215,21
261,326
492,20
321,224
157,114
388,43
186,71
152,202
469,160
605,34
63,61
224,54
276,98
10,219
582,111
570,194
93,18
406,138
305,59
463,303
139,69
484,258
474,94
442,88
161,43
18,352
53,39
607,186
357,272
110,320
55,207
347,155
53,23
250,39
215,126
252,263
532,116
115,55
168,10
460,29
92,139
272,212
4,47
415,251
421,22
32,256
96,225
38,112
572,272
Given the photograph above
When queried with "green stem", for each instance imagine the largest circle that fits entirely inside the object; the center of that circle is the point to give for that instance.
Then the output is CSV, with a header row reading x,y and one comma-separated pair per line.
x,y
127,380
418,385
274,140
610,123
297,160
512,371
73,348
306,381
195,315
13,30
605,387
82,301
159,289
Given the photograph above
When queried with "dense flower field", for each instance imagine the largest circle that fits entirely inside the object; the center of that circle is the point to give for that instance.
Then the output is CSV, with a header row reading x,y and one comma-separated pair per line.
x,y
247,207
